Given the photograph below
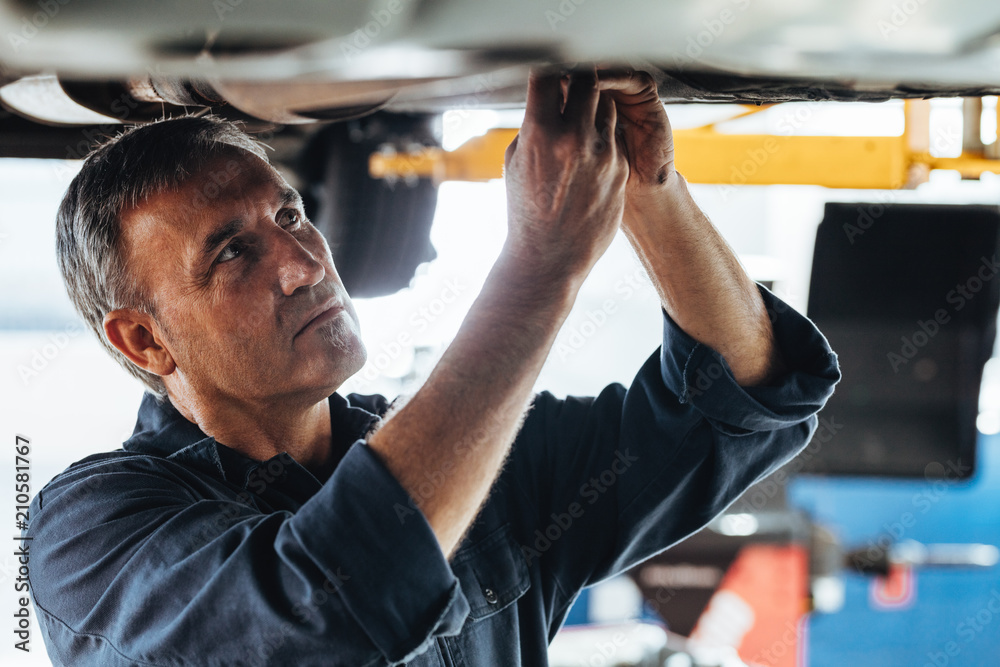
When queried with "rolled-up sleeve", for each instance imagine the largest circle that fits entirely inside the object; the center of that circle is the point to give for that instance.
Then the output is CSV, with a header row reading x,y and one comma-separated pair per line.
x,y
394,578
605,482
136,563
696,373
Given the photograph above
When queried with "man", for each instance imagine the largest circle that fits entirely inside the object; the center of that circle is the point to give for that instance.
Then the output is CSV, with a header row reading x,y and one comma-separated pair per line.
x,y
257,517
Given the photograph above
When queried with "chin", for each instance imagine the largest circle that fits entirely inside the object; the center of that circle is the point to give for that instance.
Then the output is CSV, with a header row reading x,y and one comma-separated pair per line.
x,y
344,349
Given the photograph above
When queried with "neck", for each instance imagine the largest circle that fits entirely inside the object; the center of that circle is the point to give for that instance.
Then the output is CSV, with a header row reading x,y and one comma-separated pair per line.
x,y
261,431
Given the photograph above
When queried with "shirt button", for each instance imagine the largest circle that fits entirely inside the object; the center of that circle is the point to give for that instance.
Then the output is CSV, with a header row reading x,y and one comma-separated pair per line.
x,y
490,595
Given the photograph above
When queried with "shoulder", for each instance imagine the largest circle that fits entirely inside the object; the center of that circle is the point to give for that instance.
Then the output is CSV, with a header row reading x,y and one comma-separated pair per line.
x,y
104,475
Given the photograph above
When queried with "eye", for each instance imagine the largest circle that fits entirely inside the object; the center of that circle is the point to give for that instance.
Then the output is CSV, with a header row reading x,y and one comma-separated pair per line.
x,y
290,218
233,250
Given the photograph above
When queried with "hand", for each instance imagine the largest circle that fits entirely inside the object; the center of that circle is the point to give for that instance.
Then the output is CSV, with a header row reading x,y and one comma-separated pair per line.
x,y
566,192
565,174
701,284
646,129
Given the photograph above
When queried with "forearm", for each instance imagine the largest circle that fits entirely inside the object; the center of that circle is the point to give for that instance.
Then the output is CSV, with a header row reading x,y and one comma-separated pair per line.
x,y
459,426
700,281
565,193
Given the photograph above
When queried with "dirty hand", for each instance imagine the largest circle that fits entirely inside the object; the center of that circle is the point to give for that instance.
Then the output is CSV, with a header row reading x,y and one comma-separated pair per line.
x,y
643,123
565,174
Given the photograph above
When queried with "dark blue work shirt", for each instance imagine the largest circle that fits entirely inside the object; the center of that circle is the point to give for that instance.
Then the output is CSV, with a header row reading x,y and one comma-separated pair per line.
x,y
178,550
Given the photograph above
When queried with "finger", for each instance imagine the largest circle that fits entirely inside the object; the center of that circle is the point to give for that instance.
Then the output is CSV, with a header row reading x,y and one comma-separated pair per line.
x,y
613,131
606,118
622,145
544,98
581,99
627,83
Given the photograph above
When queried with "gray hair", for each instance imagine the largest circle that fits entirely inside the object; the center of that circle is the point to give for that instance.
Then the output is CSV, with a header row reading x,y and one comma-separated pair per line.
x,y
119,174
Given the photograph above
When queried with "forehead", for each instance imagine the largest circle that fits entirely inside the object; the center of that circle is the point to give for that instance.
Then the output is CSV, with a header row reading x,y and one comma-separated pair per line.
x,y
232,178
224,185
172,222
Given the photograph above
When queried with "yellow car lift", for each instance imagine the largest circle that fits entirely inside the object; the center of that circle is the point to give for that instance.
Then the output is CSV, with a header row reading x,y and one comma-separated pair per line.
x,y
705,155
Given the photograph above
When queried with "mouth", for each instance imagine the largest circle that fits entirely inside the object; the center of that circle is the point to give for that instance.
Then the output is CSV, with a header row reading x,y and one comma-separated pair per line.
x,y
321,315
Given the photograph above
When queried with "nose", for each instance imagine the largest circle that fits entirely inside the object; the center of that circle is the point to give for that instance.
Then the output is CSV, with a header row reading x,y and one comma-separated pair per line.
x,y
297,267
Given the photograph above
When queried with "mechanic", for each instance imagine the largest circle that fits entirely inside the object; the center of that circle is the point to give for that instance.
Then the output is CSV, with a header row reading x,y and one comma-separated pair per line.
x,y
255,516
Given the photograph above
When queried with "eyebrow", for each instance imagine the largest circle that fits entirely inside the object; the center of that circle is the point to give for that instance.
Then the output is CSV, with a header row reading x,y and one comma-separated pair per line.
x,y
289,197
286,197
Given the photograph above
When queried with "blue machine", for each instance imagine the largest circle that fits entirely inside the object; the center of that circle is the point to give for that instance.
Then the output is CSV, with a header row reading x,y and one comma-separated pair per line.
x,y
954,616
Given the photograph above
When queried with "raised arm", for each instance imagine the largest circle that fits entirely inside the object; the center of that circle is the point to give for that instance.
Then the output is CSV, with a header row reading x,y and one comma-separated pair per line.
x,y
565,199
700,281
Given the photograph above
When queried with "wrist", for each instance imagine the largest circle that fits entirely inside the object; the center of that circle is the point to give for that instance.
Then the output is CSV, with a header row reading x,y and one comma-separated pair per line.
x,y
542,265
657,204
521,288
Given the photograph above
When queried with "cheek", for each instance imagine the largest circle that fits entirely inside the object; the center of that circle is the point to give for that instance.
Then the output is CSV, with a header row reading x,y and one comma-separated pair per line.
x,y
207,330
227,349
238,307
246,326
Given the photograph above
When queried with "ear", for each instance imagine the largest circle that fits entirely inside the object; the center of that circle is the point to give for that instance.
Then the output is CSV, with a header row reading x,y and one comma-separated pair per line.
x,y
131,332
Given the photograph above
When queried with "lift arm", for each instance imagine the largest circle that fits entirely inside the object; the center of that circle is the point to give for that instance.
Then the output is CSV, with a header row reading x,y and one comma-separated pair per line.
x,y
705,155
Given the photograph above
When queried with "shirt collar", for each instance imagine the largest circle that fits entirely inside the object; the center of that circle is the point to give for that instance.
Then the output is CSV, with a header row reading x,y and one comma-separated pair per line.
x,y
161,430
